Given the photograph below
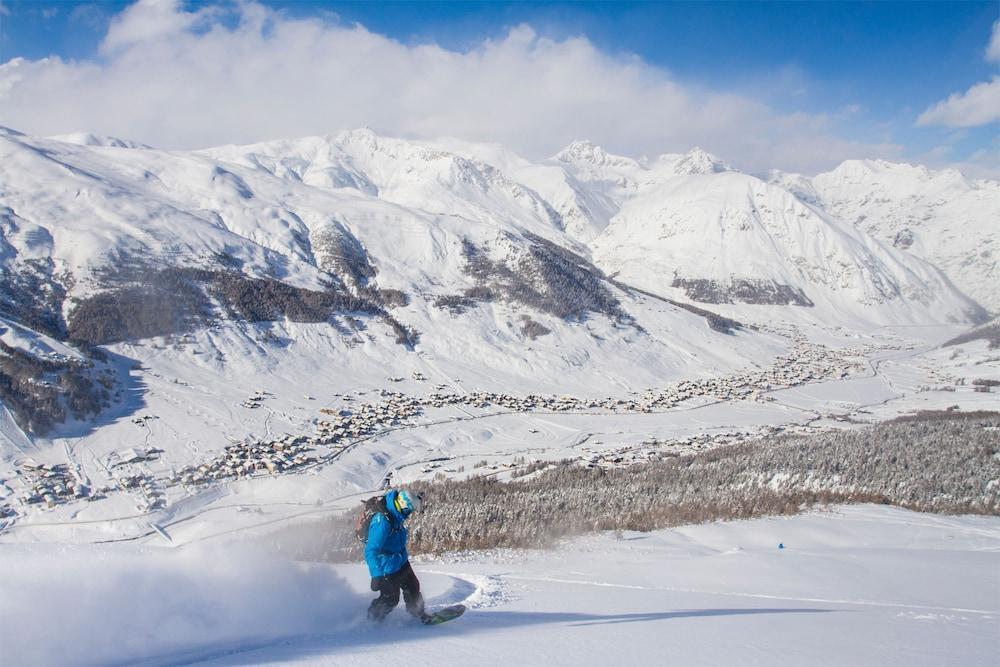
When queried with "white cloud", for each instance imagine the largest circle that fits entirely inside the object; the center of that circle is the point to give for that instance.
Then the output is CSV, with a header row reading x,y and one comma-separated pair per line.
x,y
151,20
993,48
4,11
244,73
979,105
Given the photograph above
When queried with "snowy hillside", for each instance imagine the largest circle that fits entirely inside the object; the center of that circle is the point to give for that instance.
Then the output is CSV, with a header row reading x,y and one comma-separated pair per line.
x,y
731,238
908,589
941,216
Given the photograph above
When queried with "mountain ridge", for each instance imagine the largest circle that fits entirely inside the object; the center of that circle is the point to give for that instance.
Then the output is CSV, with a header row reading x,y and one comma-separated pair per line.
x,y
396,245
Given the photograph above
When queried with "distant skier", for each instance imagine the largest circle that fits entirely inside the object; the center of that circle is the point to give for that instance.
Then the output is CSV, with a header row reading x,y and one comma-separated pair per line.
x,y
388,560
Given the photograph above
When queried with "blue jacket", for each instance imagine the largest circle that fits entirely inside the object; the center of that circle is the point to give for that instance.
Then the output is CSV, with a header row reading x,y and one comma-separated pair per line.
x,y
385,551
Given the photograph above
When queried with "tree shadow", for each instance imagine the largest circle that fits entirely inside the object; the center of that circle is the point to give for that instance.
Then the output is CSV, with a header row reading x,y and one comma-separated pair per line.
x,y
132,388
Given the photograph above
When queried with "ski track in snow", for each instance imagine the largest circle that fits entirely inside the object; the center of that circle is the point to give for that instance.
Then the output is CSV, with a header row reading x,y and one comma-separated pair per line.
x,y
762,596
474,591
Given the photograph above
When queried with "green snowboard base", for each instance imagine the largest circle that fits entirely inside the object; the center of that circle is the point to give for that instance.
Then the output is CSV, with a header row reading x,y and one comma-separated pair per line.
x,y
443,615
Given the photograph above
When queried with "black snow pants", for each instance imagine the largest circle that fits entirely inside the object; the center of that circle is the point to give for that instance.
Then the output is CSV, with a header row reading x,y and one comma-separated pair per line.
x,y
404,580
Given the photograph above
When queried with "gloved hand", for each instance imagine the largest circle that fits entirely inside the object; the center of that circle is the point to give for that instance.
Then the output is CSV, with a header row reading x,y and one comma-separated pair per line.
x,y
376,583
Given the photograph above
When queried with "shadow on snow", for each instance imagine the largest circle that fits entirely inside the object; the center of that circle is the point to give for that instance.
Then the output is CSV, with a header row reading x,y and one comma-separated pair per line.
x,y
401,629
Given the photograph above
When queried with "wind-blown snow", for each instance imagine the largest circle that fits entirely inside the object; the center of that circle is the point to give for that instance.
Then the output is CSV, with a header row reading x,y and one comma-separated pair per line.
x,y
104,605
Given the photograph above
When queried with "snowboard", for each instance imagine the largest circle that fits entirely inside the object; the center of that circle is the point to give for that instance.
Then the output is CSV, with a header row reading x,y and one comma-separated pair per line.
x,y
443,615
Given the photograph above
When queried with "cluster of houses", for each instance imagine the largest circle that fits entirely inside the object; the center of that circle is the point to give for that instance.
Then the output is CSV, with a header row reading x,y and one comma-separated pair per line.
x,y
153,498
253,402
249,458
50,484
806,363
367,418
648,450
655,449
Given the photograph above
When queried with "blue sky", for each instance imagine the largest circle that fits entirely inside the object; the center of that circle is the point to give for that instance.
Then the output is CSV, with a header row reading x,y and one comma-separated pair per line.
x,y
865,73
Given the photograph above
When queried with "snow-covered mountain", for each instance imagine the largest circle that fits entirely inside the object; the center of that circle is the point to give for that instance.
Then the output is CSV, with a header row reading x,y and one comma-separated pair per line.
x,y
89,139
431,180
940,216
384,245
692,227
684,225
730,238
520,271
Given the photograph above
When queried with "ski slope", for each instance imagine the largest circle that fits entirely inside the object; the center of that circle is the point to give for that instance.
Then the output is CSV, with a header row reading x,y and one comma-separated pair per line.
x,y
861,585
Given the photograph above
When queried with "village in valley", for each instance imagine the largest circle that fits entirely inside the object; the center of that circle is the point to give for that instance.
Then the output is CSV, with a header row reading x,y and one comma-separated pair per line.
x,y
351,418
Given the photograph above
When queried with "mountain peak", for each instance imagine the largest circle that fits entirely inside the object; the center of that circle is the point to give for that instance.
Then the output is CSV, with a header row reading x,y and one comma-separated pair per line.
x,y
587,152
868,168
364,135
700,161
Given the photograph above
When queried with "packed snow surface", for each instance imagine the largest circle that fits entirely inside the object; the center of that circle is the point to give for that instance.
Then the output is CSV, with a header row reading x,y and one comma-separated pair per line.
x,y
907,589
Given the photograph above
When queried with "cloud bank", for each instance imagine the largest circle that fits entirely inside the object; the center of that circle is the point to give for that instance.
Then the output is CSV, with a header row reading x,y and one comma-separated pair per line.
x,y
243,73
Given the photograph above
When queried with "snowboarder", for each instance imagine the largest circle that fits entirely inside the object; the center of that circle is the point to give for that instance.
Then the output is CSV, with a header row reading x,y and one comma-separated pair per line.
x,y
388,560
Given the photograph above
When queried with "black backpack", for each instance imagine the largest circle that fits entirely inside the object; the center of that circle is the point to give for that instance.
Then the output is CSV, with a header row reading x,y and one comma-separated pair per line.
x,y
369,508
